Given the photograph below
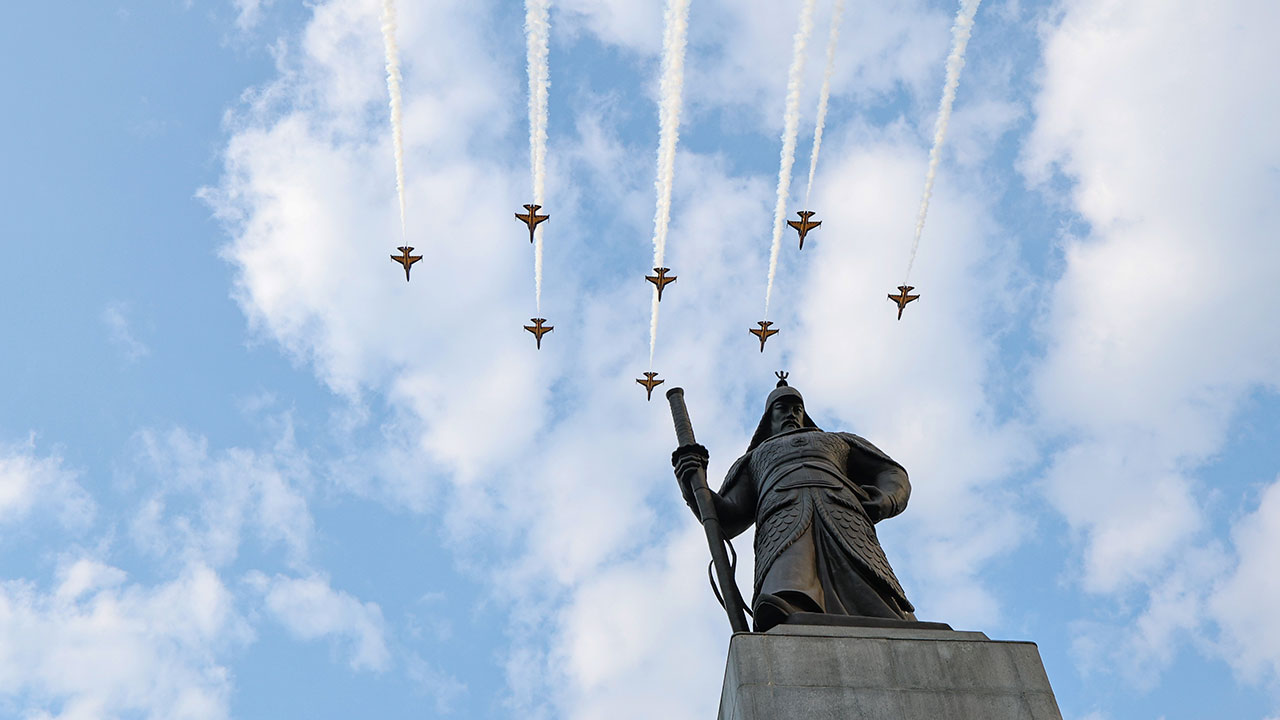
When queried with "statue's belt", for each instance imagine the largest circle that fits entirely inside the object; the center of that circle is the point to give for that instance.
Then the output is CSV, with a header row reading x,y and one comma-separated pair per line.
x,y
809,473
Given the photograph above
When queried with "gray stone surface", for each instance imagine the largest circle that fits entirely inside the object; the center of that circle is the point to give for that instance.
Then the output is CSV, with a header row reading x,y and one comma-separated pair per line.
x,y
837,673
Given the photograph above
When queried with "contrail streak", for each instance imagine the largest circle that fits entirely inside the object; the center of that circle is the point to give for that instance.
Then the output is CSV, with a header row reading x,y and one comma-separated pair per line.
x,y
537,30
671,87
791,124
393,89
960,33
837,13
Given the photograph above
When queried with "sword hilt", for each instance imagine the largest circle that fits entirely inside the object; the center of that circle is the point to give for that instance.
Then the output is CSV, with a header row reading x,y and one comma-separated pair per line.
x,y
680,416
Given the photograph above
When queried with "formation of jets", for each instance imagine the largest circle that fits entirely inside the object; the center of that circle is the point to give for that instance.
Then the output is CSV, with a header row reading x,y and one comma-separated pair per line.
x,y
405,259
804,225
532,218
763,332
650,382
902,298
660,280
538,329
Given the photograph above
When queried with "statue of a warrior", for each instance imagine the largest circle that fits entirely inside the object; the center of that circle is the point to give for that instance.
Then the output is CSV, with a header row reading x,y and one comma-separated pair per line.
x,y
815,497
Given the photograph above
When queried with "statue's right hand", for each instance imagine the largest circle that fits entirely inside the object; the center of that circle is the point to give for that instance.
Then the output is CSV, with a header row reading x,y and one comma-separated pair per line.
x,y
688,459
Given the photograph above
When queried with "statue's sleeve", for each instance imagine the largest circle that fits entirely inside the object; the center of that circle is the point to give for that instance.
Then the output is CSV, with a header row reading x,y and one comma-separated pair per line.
x,y
736,501
883,478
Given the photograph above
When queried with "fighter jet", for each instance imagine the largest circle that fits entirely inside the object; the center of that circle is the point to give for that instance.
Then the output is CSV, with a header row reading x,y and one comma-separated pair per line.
x,y
763,332
902,298
538,329
803,225
660,280
649,382
532,218
405,259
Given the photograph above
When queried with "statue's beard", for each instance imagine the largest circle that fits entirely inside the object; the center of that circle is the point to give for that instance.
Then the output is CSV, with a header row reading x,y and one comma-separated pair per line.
x,y
789,424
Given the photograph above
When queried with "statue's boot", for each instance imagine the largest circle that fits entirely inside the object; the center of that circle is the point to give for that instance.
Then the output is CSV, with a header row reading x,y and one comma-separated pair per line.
x,y
773,609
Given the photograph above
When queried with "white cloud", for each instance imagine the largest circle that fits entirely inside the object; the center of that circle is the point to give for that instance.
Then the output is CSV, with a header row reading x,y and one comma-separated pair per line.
x,y
310,609
98,646
444,688
620,625
631,25
249,12
737,48
1153,112
204,503
29,483
740,49
1094,483
1140,643
120,333
1244,603
1147,359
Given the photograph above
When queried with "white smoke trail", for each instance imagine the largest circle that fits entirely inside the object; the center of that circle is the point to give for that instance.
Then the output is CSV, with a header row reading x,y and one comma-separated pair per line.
x,y
671,87
537,30
837,13
393,89
960,33
791,124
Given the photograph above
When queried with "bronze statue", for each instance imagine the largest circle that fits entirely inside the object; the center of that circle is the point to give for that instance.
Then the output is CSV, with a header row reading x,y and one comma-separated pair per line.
x,y
815,497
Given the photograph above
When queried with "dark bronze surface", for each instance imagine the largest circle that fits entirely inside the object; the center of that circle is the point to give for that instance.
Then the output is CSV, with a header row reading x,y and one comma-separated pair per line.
x,y
815,498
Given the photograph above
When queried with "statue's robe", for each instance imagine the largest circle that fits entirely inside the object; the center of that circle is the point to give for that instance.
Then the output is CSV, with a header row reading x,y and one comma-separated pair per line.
x,y
815,540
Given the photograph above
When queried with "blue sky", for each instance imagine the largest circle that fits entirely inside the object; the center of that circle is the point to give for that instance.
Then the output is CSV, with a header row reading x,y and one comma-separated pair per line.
x,y
247,471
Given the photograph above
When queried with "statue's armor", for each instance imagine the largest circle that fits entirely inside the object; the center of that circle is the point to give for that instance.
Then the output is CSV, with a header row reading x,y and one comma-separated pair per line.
x,y
803,474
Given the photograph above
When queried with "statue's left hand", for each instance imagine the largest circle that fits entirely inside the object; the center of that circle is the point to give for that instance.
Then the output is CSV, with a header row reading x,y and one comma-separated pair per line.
x,y
878,505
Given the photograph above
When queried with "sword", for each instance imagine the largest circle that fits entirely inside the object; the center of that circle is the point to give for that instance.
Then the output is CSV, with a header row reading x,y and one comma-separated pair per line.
x,y
730,597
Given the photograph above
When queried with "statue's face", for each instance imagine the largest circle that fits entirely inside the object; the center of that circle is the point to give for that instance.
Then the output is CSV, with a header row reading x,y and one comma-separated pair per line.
x,y
786,413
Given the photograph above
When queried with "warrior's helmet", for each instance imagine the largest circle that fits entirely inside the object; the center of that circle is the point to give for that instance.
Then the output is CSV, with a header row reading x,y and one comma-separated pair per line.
x,y
765,429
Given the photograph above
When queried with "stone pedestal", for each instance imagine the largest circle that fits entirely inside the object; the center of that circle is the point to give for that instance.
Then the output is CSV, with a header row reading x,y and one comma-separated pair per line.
x,y
836,673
